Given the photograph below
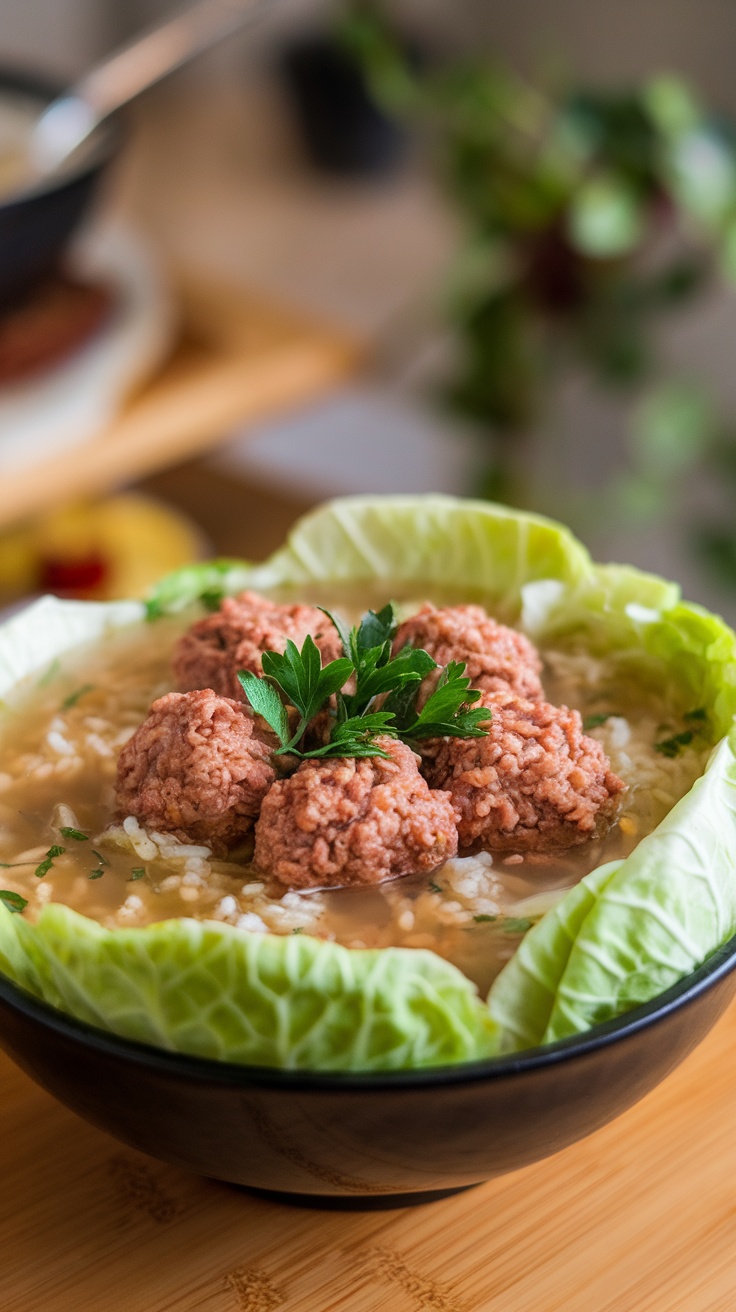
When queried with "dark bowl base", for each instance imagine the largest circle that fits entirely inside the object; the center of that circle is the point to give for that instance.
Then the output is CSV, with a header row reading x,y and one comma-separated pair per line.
x,y
357,1202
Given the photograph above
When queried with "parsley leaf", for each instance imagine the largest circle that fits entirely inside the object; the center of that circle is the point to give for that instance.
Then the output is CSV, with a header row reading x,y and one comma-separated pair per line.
x,y
266,702
13,901
671,747
136,873
699,715
447,713
66,831
482,920
96,874
299,679
595,721
511,925
355,736
306,684
49,674
76,696
48,861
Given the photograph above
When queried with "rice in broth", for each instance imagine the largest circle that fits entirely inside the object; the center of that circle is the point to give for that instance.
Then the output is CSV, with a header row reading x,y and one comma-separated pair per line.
x,y
60,736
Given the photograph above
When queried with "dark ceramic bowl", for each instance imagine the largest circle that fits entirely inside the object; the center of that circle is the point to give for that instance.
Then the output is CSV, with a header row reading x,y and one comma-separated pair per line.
x,y
36,224
363,1140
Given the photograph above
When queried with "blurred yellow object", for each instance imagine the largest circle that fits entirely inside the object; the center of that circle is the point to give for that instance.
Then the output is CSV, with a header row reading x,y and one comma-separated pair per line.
x,y
102,550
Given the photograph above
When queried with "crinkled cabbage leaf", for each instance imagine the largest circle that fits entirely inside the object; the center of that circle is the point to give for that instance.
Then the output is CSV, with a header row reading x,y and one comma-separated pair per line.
x,y
214,991
618,938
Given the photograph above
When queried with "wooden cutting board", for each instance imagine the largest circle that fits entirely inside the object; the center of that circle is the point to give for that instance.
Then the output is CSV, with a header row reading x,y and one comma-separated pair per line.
x,y
639,1218
238,358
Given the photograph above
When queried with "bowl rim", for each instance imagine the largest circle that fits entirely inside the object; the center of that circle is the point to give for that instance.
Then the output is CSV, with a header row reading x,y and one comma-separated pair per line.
x,y
164,1061
107,137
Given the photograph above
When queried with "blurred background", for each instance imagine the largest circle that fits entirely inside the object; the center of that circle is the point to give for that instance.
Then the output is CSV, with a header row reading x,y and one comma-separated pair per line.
x,y
429,245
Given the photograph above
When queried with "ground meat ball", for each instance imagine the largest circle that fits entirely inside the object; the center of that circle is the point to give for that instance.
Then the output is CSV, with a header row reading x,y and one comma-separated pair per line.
x,y
345,822
198,767
235,637
535,783
496,657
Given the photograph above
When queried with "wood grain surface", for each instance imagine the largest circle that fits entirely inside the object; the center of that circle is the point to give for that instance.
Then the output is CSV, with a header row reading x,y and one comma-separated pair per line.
x,y
239,358
641,1217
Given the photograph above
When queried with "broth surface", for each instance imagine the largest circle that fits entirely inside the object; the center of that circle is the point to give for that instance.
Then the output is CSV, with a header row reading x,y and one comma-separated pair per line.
x,y
60,737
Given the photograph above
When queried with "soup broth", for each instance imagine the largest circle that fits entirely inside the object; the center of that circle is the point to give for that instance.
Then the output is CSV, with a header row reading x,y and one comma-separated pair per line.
x,y
60,840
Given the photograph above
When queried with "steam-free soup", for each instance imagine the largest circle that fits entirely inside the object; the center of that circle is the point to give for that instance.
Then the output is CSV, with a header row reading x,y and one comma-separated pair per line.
x,y
61,841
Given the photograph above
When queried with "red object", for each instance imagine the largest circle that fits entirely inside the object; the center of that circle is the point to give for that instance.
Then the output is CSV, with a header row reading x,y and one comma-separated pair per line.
x,y
73,577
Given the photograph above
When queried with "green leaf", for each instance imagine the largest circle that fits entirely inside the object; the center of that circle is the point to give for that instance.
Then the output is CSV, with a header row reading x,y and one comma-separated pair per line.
x,y
13,901
44,867
306,684
410,666
66,831
523,995
342,629
445,714
527,571
354,737
595,721
209,582
606,218
136,873
673,746
665,909
96,874
219,992
377,629
671,429
53,670
76,696
266,702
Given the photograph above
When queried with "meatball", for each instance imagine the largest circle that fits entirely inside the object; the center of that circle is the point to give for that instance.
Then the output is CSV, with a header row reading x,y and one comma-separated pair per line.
x,y
198,767
347,821
535,783
496,657
235,637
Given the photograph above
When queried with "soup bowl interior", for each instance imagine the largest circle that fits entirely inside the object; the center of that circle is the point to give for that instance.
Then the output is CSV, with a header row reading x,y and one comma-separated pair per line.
x,y
37,222
363,1140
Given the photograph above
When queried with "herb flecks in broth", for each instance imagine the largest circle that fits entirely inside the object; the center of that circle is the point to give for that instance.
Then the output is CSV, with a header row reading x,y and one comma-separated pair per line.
x,y
151,876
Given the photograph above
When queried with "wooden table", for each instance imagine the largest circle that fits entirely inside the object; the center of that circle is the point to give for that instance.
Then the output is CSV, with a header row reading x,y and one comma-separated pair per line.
x,y
238,358
639,1218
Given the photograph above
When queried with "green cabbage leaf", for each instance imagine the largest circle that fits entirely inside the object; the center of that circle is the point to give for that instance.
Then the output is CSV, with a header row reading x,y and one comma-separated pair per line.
x,y
626,932
212,990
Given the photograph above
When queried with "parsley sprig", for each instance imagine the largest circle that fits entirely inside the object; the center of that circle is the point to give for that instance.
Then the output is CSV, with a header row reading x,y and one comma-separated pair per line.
x,y
374,692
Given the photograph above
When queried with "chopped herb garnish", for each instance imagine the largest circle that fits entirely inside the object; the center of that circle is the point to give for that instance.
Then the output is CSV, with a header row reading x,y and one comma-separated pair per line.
x,y
299,930
48,861
672,747
136,873
700,715
358,718
447,712
434,888
595,721
513,926
13,901
102,859
96,874
483,920
76,696
66,831
50,673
